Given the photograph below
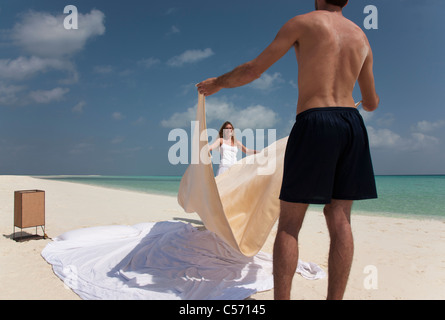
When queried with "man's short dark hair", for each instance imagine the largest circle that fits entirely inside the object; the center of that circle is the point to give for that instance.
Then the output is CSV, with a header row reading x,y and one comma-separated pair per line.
x,y
340,3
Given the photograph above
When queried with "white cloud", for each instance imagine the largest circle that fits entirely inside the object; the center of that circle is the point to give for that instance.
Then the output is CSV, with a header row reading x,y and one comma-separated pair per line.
x,y
47,96
78,108
426,126
12,95
23,68
255,117
190,56
420,141
48,47
387,139
149,62
219,110
42,34
367,116
180,119
384,138
117,140
386,120
186,88
173,30
140,121
117,116
9,94
267,81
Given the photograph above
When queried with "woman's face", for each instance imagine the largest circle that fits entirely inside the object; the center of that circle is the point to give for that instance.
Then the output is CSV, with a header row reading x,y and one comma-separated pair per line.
x,y
228,131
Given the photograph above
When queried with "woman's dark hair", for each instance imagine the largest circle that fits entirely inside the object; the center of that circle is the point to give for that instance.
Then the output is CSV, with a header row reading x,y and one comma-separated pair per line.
x,y
221,131
340,3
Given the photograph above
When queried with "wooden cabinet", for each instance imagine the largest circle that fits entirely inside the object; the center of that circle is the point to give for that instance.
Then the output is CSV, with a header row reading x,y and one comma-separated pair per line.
x,y
29,209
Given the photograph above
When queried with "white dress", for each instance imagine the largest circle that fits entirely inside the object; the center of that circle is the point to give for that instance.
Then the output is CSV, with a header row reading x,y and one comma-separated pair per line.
x,y
228,157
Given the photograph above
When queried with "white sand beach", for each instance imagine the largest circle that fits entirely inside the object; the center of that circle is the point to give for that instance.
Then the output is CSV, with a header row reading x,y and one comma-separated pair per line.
x,y
406,257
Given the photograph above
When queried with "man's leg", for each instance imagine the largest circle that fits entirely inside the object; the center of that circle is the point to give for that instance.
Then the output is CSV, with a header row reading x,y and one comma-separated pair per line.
x,y
338,219
285,253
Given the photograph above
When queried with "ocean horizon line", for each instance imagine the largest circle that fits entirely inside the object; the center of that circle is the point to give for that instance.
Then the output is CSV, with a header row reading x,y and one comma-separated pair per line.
x,y
403,195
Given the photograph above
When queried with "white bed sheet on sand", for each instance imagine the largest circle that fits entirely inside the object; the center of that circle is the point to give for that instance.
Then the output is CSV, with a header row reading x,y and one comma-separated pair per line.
x,y
167,260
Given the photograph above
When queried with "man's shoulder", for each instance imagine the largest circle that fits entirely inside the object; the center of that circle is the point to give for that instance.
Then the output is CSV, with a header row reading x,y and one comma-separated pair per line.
x,y
301,20
305,16
308,19
322,18
317,14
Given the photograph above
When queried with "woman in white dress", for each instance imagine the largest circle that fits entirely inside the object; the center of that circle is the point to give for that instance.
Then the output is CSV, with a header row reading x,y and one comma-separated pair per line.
x,y
228,147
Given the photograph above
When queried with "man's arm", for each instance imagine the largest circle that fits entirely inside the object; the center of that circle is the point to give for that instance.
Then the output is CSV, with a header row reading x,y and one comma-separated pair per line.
x,y
370,99
252,70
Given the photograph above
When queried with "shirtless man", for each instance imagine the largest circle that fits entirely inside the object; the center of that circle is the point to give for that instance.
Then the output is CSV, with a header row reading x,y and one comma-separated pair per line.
x,y
327,158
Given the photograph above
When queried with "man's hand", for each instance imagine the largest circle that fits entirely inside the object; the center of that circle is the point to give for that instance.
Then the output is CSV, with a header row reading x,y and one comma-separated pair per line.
x,y
208,87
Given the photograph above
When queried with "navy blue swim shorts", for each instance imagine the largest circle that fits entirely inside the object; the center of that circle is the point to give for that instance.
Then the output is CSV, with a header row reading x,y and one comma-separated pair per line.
x,y
327,157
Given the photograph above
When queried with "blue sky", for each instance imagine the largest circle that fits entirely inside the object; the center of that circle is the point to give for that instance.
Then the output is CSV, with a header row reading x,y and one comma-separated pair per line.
x,y
102,99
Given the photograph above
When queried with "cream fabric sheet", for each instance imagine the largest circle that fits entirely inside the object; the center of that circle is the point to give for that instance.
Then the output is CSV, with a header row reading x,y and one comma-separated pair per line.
x,y
241,205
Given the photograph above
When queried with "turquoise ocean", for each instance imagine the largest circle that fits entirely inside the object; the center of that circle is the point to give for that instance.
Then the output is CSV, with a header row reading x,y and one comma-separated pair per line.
x,y
413,196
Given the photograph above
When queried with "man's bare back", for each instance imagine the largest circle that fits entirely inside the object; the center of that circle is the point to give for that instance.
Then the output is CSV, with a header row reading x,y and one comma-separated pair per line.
x,y
331,51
